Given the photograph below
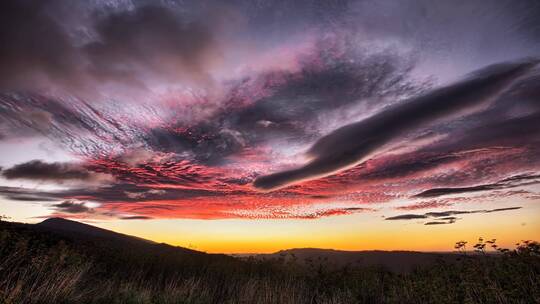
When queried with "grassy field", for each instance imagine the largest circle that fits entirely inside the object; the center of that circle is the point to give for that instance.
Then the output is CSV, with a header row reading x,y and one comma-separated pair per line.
x,y
37,266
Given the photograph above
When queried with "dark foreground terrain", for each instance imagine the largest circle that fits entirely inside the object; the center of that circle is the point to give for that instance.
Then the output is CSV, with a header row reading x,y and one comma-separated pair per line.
x,y
61,261
394,261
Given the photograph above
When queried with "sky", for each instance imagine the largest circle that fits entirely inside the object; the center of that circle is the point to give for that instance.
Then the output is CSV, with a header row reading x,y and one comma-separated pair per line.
x,y
255,126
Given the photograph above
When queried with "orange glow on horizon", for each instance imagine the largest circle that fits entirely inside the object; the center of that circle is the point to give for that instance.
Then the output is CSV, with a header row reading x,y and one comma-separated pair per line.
x,y
346,232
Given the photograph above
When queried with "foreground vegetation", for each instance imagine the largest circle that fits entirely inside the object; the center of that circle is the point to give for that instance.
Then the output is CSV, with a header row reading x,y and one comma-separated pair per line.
x,y
40,267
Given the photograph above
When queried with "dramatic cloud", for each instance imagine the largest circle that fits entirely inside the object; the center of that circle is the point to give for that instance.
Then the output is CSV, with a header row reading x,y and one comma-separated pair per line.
x,y
39,170
350,144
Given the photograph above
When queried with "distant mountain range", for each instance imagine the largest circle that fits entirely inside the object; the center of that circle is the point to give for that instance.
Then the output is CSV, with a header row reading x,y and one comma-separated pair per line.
x,y
100,241
398,261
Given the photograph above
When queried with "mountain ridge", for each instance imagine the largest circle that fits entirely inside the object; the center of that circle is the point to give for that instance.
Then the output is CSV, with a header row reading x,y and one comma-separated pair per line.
x,y
106,241
65,226
396,260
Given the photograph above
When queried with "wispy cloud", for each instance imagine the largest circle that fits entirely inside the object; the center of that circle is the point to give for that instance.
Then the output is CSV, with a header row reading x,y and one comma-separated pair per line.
x,y
445,217
510,182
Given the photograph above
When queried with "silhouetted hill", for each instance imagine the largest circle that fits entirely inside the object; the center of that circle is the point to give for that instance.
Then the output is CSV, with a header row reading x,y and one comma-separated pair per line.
x,y
111,250
101,238
397,261
76,229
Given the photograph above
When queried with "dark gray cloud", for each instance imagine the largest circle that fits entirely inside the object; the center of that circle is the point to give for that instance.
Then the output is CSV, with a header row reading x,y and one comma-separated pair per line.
x,y
510,182
503,209
406,217
71,207
445,217
457,190
446,213
449,218
439,223
136,217
349,144
39,170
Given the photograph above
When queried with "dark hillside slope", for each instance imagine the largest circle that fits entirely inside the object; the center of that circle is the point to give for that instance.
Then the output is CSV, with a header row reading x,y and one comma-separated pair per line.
x,y
75,229
112,251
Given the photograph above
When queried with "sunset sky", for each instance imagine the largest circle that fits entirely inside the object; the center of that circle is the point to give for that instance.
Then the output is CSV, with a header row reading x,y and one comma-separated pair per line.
x,y
255,126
